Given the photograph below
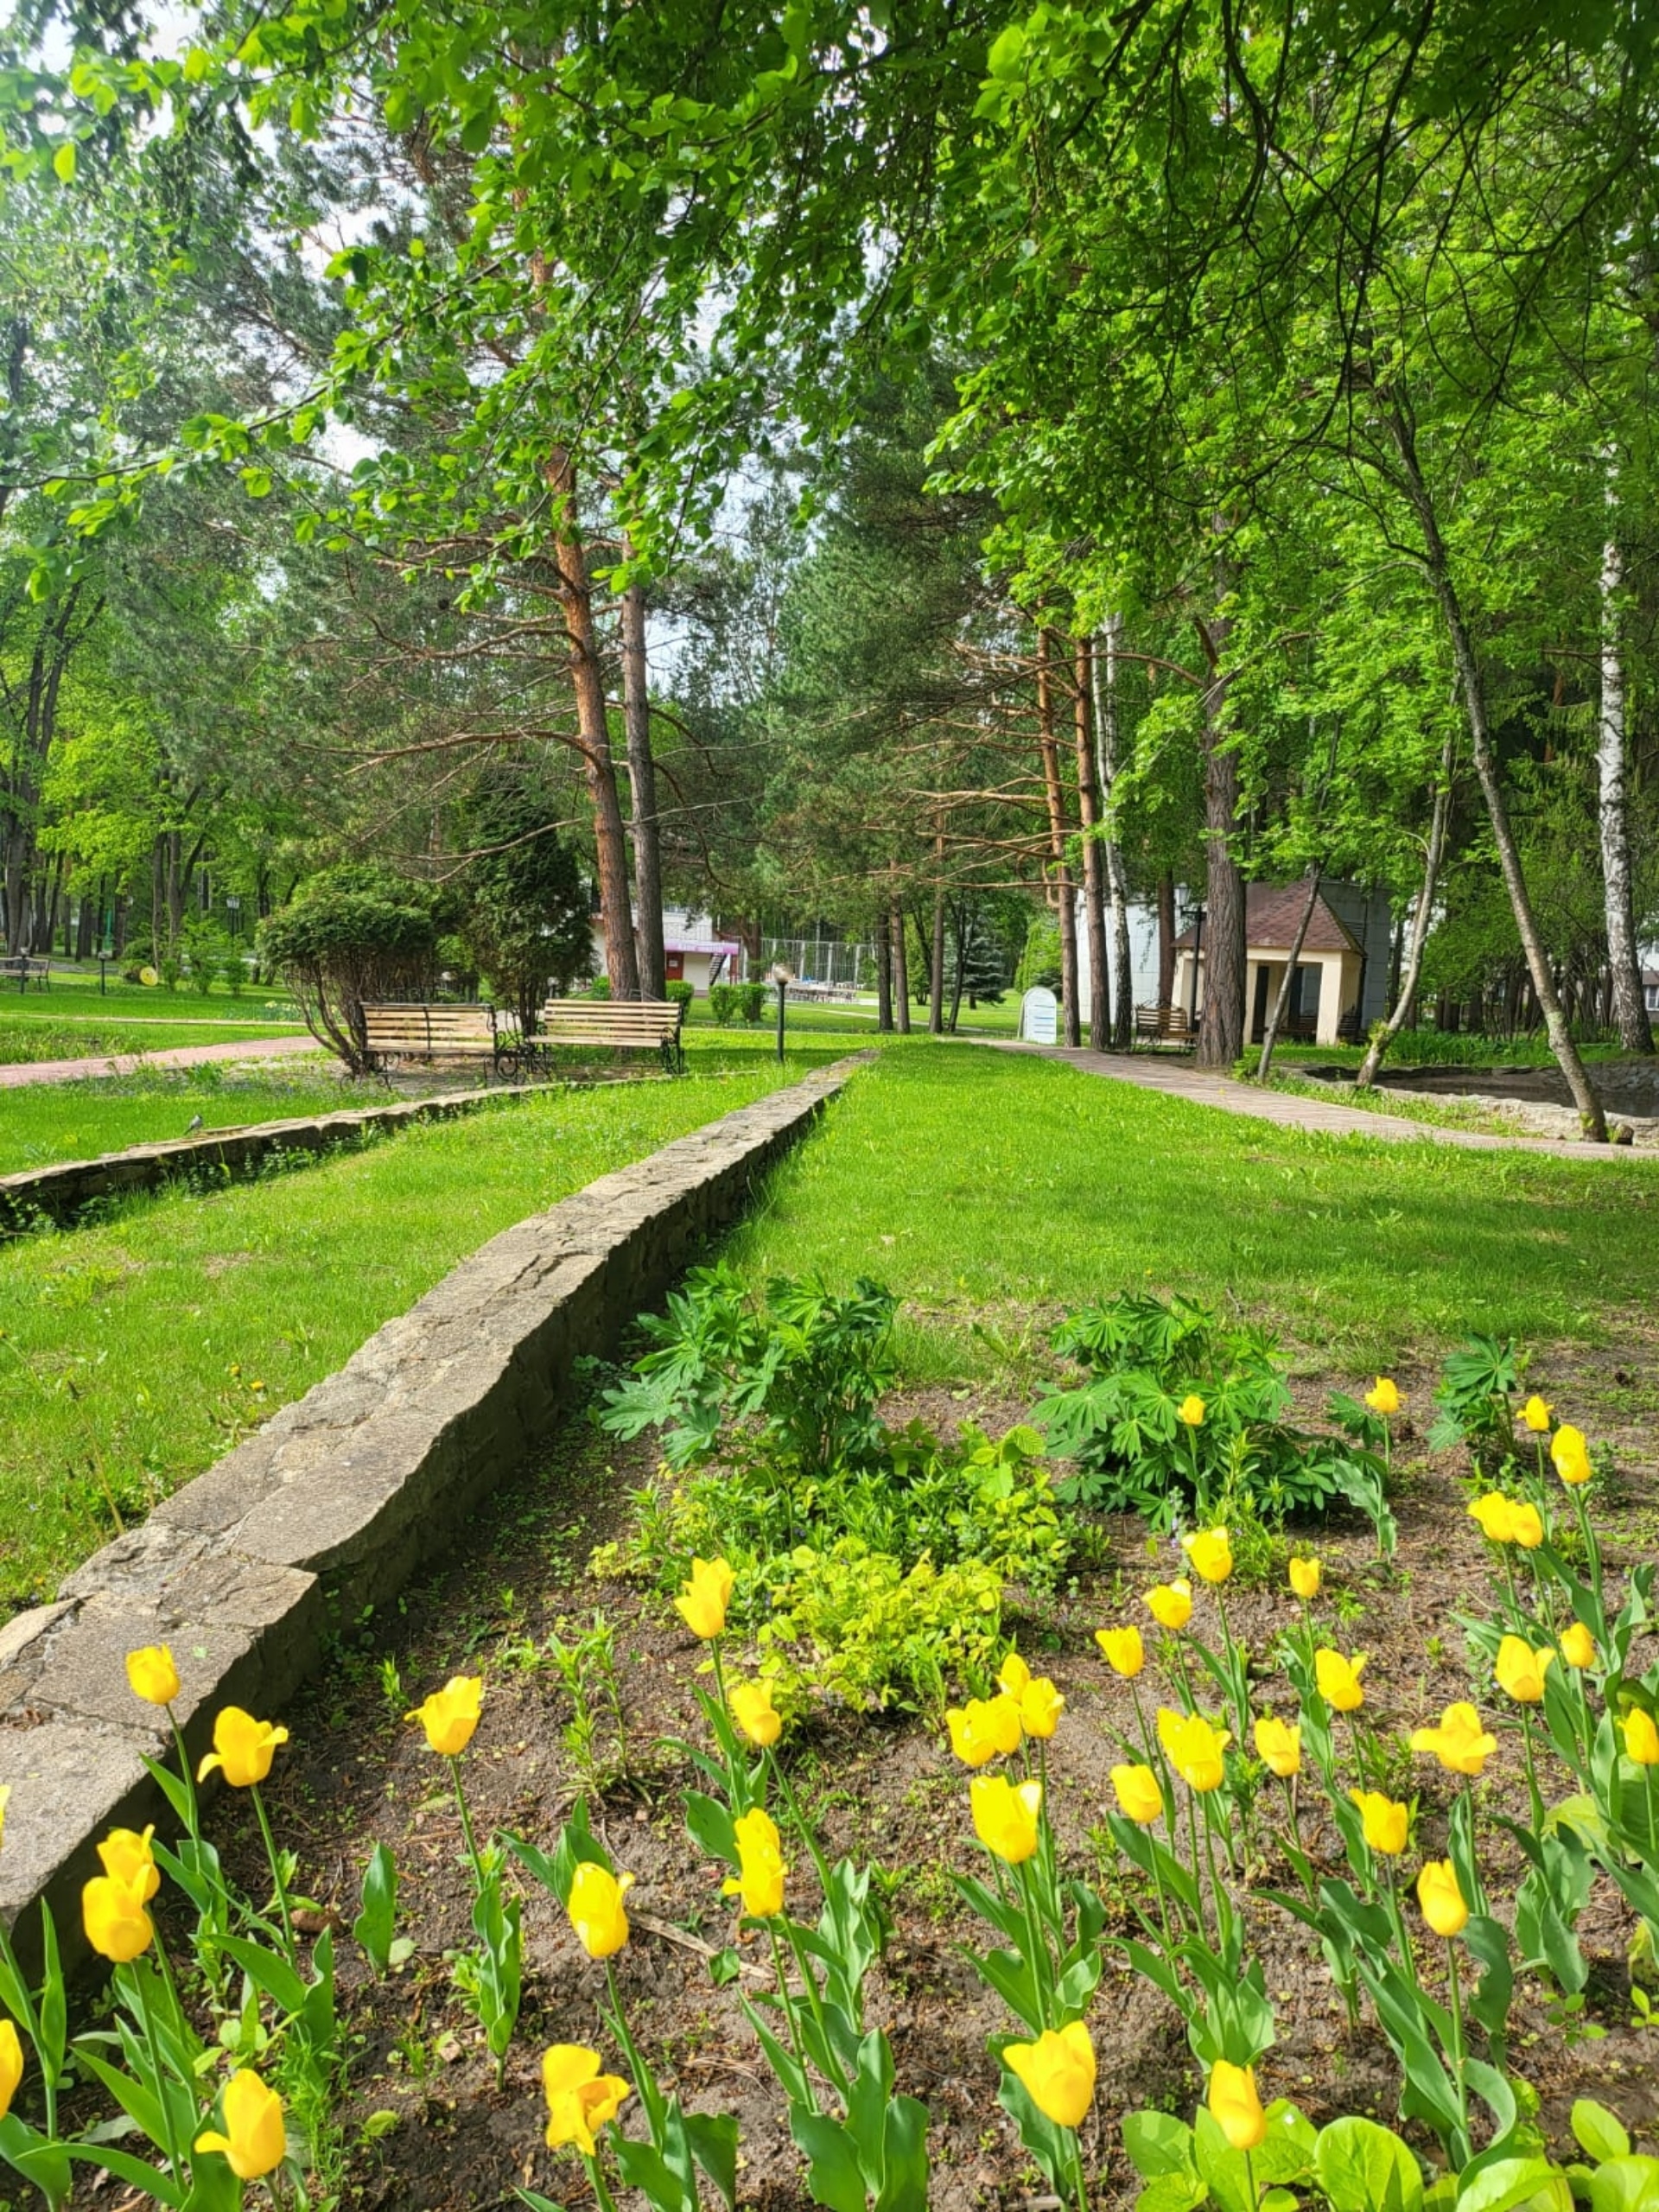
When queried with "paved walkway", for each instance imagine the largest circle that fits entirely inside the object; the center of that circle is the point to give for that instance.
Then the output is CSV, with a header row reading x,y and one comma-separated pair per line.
x,y
1176,1079
181,1056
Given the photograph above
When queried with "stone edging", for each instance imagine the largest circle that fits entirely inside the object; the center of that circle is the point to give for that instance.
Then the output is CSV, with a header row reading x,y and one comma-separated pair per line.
x,y
60,1192
340,1497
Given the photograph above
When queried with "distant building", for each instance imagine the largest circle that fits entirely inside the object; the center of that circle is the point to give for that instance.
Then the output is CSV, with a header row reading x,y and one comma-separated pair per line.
x,y
1650,989
695,950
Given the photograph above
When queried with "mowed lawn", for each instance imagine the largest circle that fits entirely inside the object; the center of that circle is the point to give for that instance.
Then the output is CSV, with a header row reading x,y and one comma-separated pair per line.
x,y
45,1122
982,1183
134,1351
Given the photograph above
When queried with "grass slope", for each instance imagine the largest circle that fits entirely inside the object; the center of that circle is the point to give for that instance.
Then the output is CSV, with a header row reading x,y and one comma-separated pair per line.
x,y
43,1123
973,1180
135,1351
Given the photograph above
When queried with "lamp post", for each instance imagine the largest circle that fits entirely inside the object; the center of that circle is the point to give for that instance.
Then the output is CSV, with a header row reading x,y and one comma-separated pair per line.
x,y
783,976
1198,955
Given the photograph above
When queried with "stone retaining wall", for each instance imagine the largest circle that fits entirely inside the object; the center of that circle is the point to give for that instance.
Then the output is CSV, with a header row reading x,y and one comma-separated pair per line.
x,y
342,1495
62,1191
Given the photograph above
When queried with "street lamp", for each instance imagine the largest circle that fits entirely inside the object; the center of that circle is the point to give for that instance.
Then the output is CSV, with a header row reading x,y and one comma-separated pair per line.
x,y
783,976
1198,955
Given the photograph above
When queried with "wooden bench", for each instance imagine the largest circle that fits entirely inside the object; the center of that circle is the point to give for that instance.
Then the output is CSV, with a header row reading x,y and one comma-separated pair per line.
x,y
1167,1024
26,969
420,1032
621,1024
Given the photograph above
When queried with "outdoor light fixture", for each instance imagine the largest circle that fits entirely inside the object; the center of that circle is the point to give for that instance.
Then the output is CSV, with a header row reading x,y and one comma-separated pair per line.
x,y
782,975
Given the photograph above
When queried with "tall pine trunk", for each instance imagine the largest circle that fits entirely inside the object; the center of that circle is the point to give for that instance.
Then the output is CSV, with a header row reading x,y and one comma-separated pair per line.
x,y
883,968
1221,1025
1412,964
1613,812
1060,879
1094,854
936,971
1471,687
901,970
642,783
1105,673
594,732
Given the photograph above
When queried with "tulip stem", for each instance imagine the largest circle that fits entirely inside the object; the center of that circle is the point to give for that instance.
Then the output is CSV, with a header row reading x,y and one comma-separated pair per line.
x,y
1041,1965
276,1875
802,1825
1532,1773
1193,1837
1077,2173
1250,2191
1306,1871
788,2004
1224,1914
1407,1958
192,1807
1237,1674
602,2195
1456,2037
163,2100
643,2080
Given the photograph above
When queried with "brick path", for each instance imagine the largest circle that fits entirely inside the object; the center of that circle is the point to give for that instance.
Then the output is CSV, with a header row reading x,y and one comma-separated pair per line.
x,y
181,1056
1177,1080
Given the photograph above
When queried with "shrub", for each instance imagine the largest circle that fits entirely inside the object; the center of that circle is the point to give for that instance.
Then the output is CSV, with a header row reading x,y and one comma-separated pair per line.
x,y
350,937
722,1002
524,914
752,1001
854,1625
679,992
599,988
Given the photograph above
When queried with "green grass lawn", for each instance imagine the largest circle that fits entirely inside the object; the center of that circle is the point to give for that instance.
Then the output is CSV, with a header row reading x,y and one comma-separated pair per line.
x,y
43,1123
130,1349
977,1182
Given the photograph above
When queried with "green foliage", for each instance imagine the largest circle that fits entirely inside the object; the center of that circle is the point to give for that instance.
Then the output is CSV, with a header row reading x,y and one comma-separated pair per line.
x,y
352,937
723,1002
854,1626
678,991
1477,1395
1124,1429
525,912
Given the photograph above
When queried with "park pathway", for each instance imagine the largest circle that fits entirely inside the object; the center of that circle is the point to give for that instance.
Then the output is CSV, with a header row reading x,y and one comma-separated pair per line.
x,y
181,1056
1177,1080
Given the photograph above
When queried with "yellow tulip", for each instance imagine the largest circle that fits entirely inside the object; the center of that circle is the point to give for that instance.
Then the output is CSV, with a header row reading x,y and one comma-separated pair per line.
x,y
1571,1455
152,1675
1641,1737
1339,1679
1383,1397
1493,1512
1038,1701
1170,1603
754,1711
1536,1413
11,2065
1442,1901
1526,1527
1139,1796
127,1859
1234,2107
1005,1815
1385,1823
1057,2072
579,2098
1191,1410
117,1925
1123,1651
596,1909
242,1748
1194,1748
1520,1670
1461,1743
984,1729
255,2141
1210,1553
450,1715
1278,1746
760,1868
1305,1577
1578,1646
702,1604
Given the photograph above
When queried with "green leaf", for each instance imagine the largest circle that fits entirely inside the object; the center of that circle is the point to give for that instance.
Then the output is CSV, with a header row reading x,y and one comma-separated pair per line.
x,y
1363,2167
374,1926
1600,2133
1158,2142
63,162
1624,2185
834,2174
1508,2183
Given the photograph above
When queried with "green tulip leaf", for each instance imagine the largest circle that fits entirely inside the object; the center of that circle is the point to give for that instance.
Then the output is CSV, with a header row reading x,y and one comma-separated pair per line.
x,y
1599,2134
1363,2167
1157,2143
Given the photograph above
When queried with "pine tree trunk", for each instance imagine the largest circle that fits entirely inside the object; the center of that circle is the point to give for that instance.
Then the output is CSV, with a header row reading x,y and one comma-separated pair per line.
x,y
900,970
1060,879
958,938
1613,766
883,969
936,973
594,732
1281,1002
1412,969
642,783
1221,1025
1094,854
1438,566
1105,673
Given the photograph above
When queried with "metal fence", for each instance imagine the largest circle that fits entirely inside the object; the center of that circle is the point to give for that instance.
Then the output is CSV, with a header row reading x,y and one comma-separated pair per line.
x,y
831,963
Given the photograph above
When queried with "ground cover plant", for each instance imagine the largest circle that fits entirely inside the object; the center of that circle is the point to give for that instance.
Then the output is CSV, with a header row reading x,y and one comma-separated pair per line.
x,y
134,1350
1323,1947
42,1123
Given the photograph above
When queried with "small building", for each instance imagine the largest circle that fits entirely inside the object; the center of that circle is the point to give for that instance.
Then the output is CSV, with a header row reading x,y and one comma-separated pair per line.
x,y
1340,986
695,950
1650,989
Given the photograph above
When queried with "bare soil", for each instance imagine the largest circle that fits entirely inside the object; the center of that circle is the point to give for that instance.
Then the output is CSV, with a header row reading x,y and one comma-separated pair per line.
x,y
355,1773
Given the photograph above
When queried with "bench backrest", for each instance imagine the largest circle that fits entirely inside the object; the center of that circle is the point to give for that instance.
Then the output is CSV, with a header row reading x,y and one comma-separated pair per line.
x,y
612,1021
426,1028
